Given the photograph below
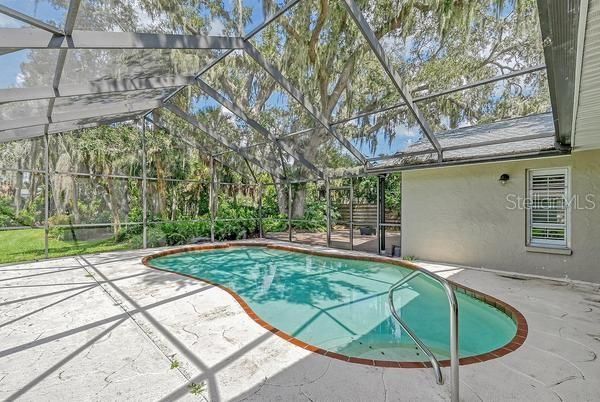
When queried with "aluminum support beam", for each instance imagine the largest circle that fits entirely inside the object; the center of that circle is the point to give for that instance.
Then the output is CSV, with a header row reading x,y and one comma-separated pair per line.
x,y
581,33
60,63
381,208
381,170
377,228
246,148
289,212
7,51
422,98
467,146
328,194
559,26
285,171
459,162
204,69
30,38
62,57
236,110
194,122
351,214
199,147
46,193
249,147
417,99
34,22
405,93
251,171
260,212
94,88
304,131
491,80
299,97
71,16
281,137
255,31
510,156
37,131
211,198
144,187
98,112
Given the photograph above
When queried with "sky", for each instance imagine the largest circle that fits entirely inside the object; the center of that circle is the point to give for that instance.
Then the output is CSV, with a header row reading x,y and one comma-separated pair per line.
x,y
403,137
10,64
40,9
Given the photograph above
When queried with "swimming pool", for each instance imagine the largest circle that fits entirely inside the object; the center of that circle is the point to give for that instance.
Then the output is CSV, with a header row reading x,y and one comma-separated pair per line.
x,y
339,305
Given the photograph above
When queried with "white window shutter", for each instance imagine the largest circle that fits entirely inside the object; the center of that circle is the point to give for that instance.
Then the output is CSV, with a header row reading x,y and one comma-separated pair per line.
x,y
548,207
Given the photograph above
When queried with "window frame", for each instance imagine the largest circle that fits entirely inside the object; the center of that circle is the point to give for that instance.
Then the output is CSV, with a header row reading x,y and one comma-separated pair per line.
x,y
540,243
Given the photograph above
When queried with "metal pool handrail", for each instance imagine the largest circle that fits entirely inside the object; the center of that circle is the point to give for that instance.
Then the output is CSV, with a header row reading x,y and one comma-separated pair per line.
x,y
453,302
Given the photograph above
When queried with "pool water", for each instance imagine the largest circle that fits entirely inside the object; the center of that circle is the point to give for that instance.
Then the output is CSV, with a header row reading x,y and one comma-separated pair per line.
x,y
340,305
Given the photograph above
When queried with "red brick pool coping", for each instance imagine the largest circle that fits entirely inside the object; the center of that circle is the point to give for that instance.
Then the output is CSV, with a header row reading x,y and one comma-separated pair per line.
x,y
506,308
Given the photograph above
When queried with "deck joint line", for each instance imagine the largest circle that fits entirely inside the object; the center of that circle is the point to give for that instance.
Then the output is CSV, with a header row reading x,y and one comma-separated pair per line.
x,y
163,349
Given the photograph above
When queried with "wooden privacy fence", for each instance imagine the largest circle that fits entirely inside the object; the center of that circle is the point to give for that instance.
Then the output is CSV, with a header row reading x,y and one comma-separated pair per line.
x,y
365,214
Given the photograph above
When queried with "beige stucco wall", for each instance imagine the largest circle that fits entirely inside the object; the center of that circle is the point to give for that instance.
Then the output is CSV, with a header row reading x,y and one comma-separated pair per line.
x,y
461,215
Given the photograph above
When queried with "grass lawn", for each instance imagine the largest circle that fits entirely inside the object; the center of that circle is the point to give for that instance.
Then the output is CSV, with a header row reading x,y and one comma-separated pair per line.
x,y
28,245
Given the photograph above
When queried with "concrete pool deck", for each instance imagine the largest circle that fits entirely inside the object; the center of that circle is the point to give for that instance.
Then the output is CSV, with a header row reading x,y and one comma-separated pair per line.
x,y
105,327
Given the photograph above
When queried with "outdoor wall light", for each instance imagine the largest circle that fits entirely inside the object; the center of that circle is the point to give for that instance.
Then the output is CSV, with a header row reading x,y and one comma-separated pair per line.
x,y
504,178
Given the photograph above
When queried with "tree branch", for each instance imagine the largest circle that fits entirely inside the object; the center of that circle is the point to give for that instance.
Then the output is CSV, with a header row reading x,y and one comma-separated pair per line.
x,y
314,38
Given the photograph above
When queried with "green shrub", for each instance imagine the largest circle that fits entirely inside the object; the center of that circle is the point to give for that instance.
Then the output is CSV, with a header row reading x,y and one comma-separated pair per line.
x,y
315,217
93,211
236,221
7,213
133,235
136,214
177,233
129,232
275,224
155,238
30,215
313,220
59,219
165,233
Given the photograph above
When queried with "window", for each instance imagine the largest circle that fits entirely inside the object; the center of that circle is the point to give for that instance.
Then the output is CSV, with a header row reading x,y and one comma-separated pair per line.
x,y
548,208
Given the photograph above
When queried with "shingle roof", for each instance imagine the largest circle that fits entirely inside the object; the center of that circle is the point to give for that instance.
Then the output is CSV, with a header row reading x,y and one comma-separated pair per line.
x,y
533,133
